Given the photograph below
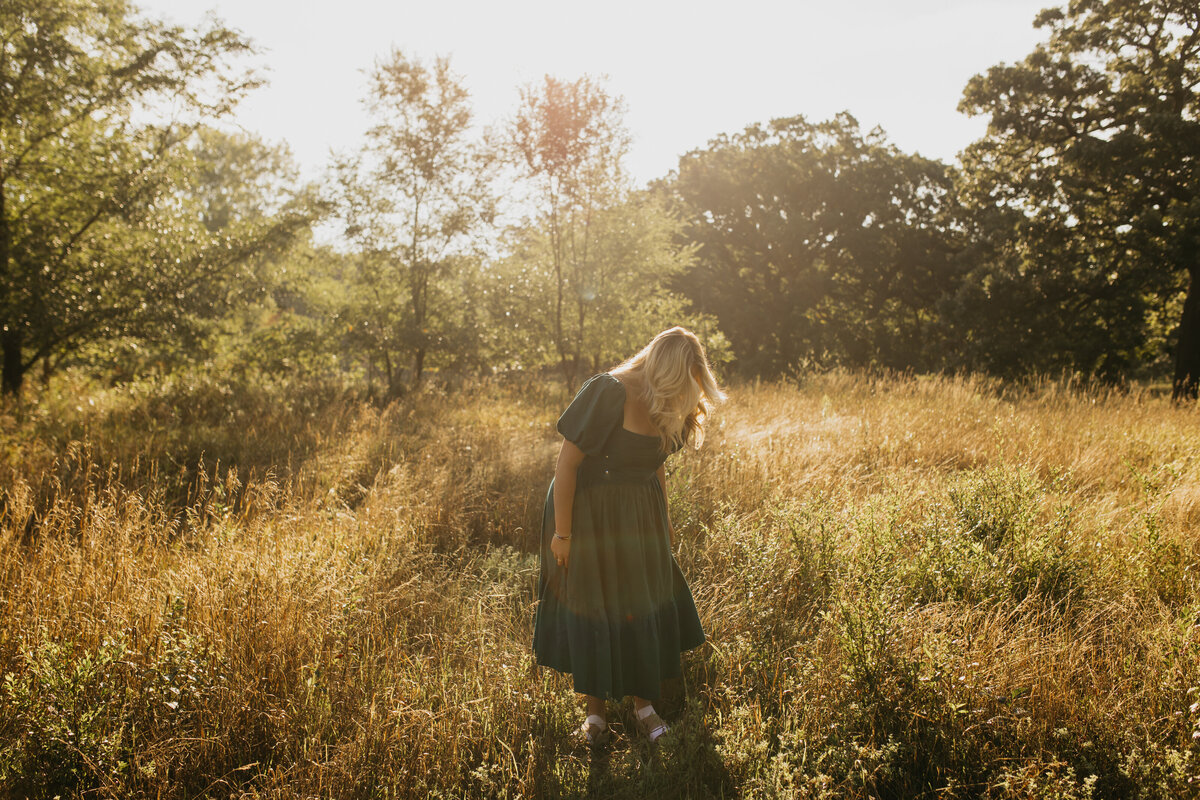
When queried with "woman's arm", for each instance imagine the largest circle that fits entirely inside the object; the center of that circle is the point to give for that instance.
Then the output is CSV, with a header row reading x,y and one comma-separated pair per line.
x,y
566,472
662,481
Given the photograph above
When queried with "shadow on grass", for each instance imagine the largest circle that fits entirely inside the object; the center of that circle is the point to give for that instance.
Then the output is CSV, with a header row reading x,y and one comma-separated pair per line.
x,y
683,764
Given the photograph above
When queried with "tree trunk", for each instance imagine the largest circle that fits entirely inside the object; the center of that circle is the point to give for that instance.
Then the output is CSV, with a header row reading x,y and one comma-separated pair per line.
x,y
12,370
420,309
13,366
387,371
556,252
418,366
1187,350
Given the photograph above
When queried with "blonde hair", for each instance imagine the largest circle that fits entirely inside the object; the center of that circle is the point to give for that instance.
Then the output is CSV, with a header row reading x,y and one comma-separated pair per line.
x,y
679,400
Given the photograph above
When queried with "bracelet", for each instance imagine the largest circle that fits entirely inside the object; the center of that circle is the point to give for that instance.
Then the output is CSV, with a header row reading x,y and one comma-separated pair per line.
x,y
558,535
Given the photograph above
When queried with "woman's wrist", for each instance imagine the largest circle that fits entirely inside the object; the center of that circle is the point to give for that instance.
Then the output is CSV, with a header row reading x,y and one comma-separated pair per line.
x,y
558,535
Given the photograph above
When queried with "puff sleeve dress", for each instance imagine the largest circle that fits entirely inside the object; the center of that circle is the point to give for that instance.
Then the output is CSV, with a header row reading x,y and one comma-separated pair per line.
x,y
619,616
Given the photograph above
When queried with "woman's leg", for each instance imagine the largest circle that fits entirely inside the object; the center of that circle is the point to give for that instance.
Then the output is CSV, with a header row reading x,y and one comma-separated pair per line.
x,y
650,724
595,705
595,727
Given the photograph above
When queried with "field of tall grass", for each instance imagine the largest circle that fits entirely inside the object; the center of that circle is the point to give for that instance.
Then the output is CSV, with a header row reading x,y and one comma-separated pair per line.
x,y
912,587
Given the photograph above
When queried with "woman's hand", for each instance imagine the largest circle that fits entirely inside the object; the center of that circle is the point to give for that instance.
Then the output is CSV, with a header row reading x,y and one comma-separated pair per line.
x,y
565,473
561,548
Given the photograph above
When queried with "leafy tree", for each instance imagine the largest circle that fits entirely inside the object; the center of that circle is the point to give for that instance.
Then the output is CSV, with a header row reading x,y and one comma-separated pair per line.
x,y
412,200
285,295
635,255
818,243
1034,298
237,177
1091,170
231,189
569,139
294,327
98,239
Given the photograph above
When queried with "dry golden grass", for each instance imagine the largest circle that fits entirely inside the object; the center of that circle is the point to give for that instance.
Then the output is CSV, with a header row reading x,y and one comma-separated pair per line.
x,y
913,587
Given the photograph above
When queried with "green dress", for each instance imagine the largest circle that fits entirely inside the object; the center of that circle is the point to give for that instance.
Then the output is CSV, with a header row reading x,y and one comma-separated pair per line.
x,y
621,613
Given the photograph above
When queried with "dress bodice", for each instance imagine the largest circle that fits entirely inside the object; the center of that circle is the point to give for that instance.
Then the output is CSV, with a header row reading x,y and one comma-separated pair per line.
x,y
627,457
612,453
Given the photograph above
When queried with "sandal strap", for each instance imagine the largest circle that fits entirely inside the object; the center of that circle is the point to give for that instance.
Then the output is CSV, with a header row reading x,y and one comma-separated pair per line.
x,y
651,723
593,733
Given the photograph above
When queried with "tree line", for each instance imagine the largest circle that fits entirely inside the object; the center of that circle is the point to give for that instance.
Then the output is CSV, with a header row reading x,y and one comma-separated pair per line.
x,y
136,234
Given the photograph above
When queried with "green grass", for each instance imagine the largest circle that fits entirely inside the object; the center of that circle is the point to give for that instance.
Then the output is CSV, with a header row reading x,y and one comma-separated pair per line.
x,y
912,587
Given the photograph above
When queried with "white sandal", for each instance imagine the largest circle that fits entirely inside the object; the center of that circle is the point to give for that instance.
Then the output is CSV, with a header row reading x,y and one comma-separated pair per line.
x,y
594,731
651,724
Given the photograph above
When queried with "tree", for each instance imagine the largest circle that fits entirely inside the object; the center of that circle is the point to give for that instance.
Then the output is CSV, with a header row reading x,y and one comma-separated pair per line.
x,y
276,308
635,255
818,243
1092,157
1035,298
97,239
412,200
238,178
569,140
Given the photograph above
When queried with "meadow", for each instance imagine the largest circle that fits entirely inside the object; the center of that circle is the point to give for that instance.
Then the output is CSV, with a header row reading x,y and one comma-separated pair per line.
x,y
913,587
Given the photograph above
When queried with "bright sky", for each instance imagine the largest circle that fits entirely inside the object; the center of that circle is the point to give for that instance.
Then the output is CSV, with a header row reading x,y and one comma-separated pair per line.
x,y
687,70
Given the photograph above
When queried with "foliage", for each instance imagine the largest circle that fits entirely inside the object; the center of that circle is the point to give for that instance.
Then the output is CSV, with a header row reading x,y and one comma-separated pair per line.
x,y
80,717
627,298
1085,190
99,236
818,244
568,140
269,312
290,326
413,200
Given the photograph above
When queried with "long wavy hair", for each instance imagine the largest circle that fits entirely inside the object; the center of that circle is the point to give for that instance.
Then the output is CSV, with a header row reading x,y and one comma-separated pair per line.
x,y
677,384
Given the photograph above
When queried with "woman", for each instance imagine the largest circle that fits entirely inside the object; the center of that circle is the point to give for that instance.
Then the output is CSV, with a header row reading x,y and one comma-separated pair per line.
x,y
613,607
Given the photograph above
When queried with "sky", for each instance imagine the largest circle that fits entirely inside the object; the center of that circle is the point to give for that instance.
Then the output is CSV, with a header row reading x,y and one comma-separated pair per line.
x,y
688,71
